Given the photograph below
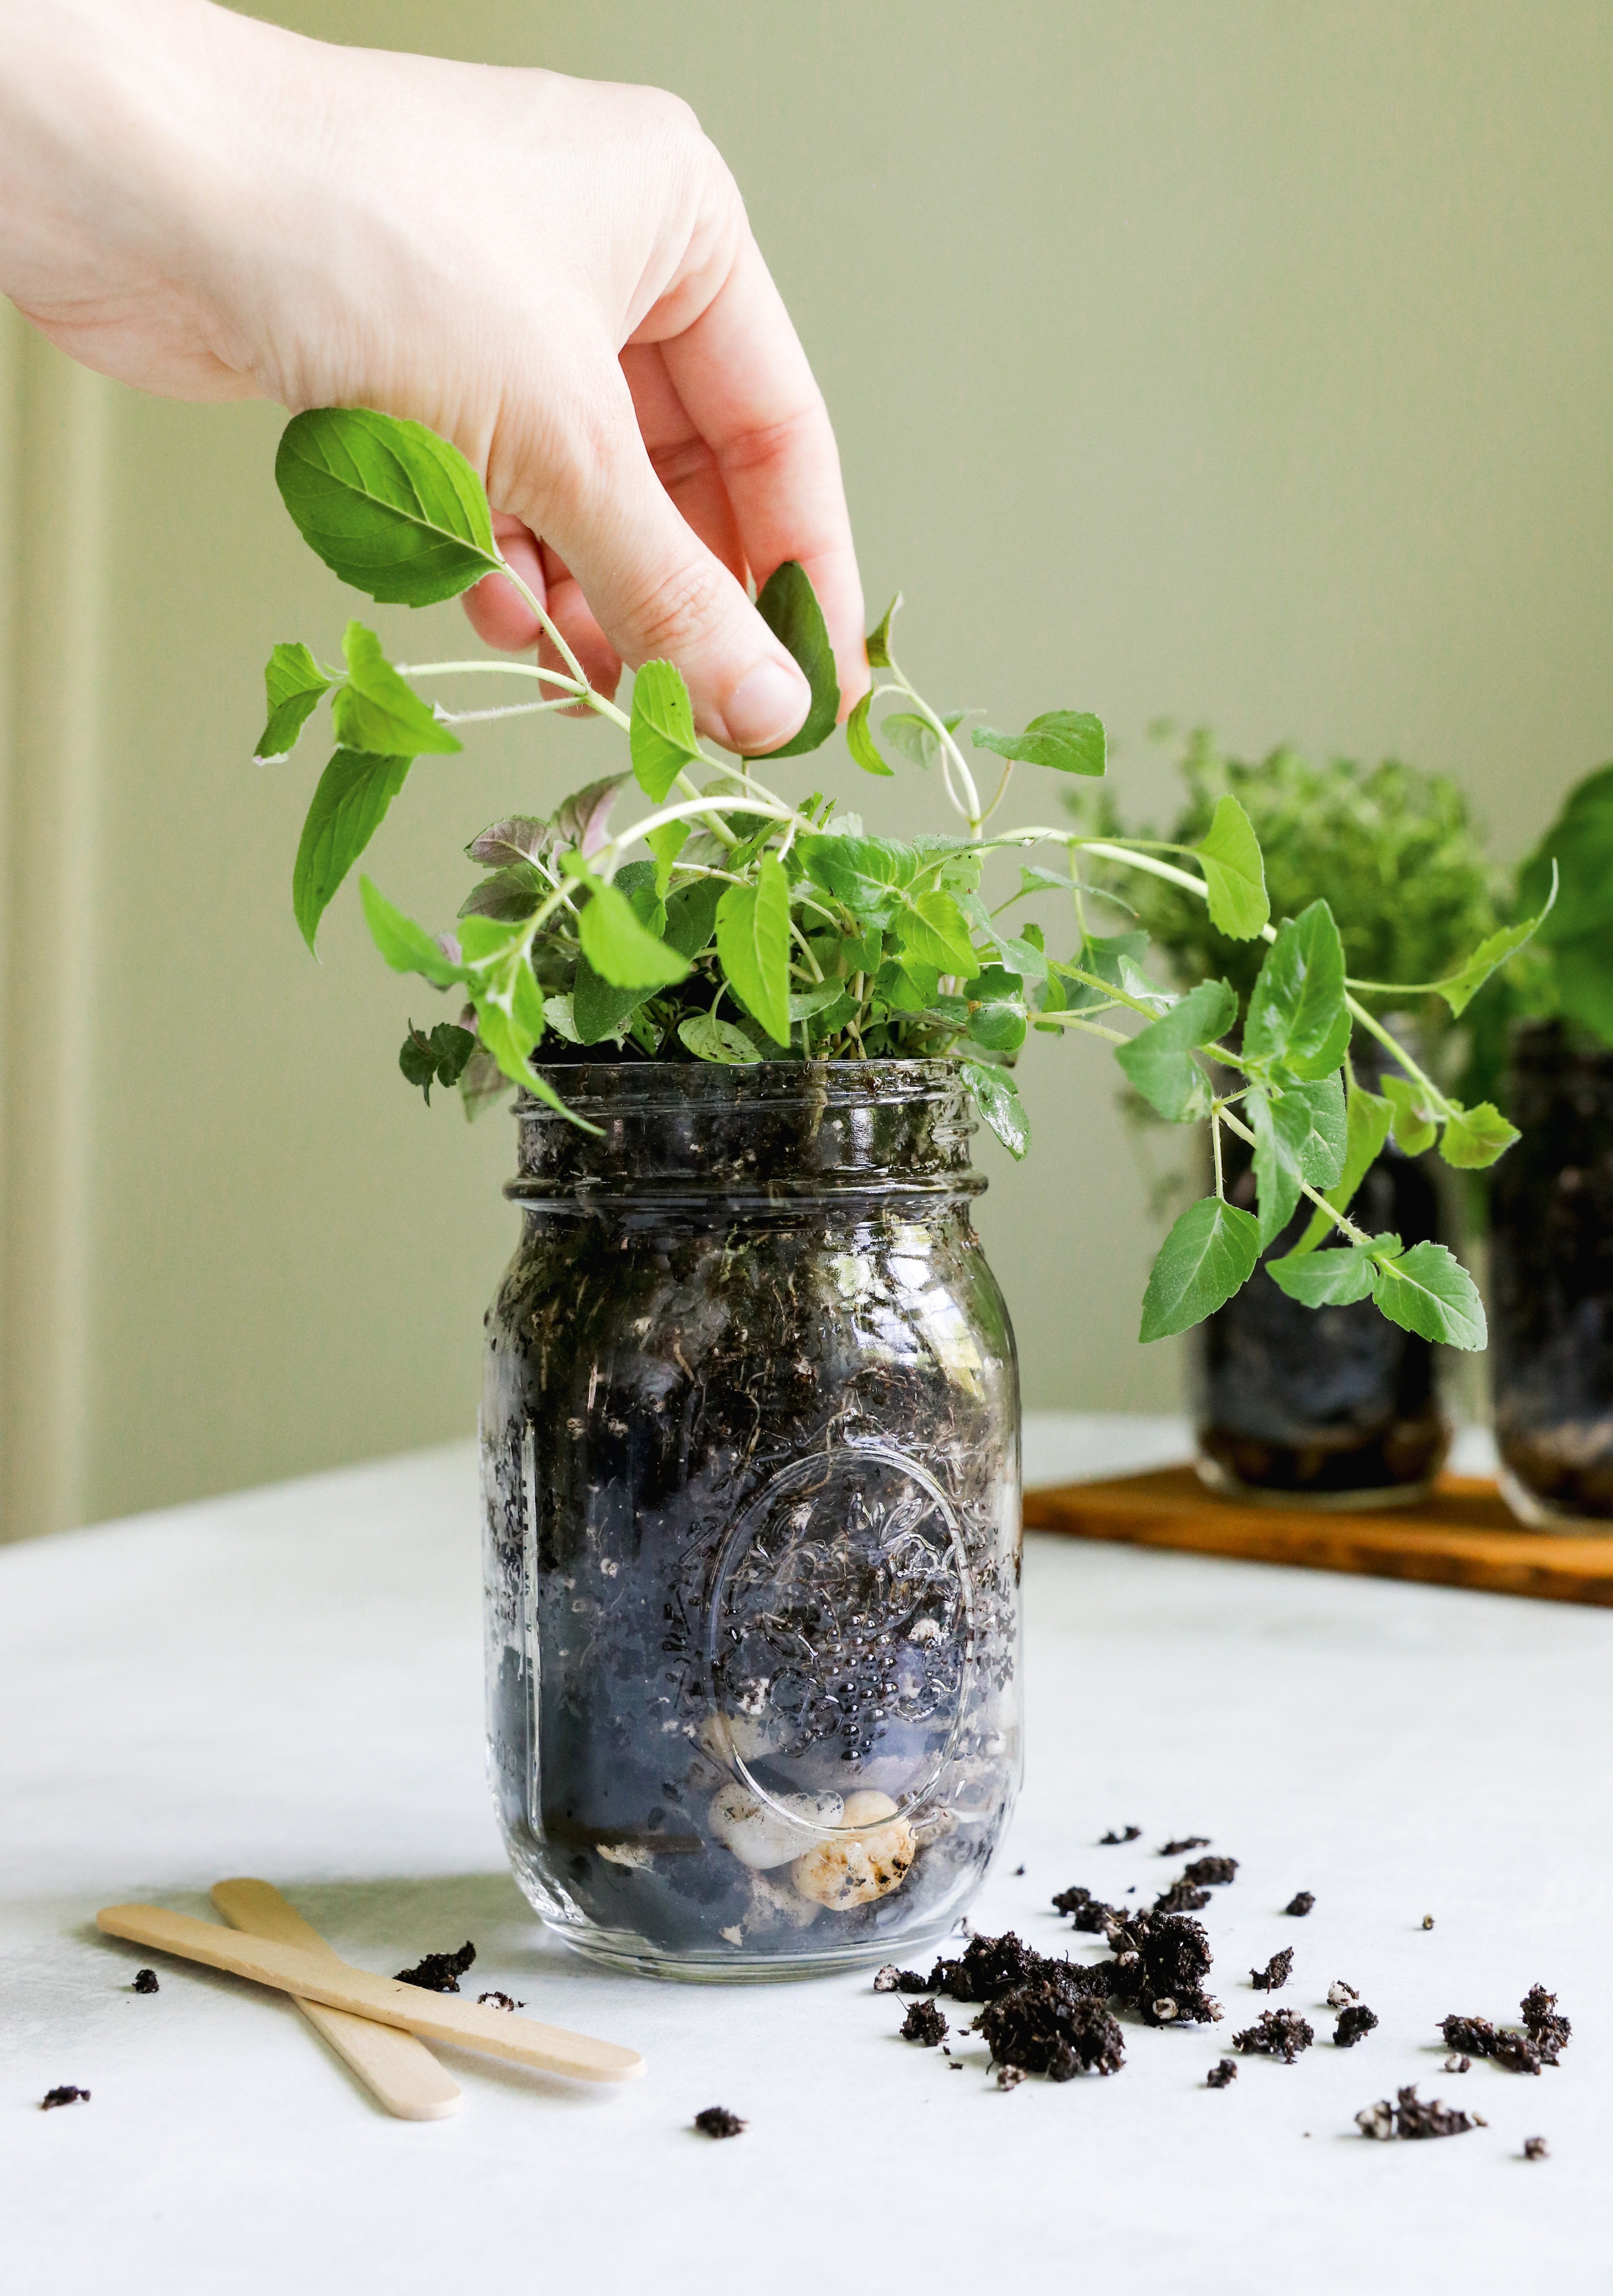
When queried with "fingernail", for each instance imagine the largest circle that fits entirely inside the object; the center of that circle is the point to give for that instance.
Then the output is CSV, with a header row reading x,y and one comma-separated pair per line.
x,y
769,703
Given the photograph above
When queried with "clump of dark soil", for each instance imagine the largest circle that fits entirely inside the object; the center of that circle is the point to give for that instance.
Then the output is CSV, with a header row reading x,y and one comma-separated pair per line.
x,y
440,1973
1210,1872
1279,2033
1182,1898
1221,2075
1113,1840
925,2024
1276,1973
990,1967
1355,2023
1535,2148
1300,1903
1087,1911
1410,2116
1541,2042
1050,2026
498,2001
146,1981
892,1980
1549,2032
716,2120
66,2094
1188,1841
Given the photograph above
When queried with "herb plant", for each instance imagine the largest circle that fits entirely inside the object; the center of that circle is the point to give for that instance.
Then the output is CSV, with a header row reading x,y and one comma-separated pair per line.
x,y
730,923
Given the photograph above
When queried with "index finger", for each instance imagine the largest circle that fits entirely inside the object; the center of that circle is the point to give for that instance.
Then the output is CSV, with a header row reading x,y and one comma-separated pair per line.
x,y
744,380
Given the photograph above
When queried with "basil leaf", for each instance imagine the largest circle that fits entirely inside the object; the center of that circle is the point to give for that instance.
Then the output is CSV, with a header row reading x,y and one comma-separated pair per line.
x,y
559,1014
349,805
691,915
661,737
1300,1137
914,736
998,1098
865,874
512,895
617,945
861,742
1326,1279
294,681
1459,990
710,1039
788,604
1430,1292
406,946
1158,1060
1069,741
878,639
438,1058
753,945
932,928
376,710
667,843
1209,1254
511,1044
584,818
996,1012
483,1085
1366,1128
1234,874
519,837
1474,1137
598,1008
388,505
1296,1010
805,1002
1414,1125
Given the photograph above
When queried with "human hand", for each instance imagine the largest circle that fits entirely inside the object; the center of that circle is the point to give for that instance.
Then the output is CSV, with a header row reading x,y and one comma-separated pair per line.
x,y
557,275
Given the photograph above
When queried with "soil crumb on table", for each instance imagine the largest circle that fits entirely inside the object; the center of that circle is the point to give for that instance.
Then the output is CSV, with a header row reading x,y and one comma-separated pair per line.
x,y
1221,2075
1300,1903
1412,2116
1279,2033
925,2024
716,2120
1355,2022
1113,1840
1276,1973
1535,2148
146,1981
497,2001
66,2094
438,1973
1188,1841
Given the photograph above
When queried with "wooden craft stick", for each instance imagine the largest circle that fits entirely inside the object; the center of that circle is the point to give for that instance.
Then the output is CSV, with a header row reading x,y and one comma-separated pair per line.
x,y
338,1985
394,2066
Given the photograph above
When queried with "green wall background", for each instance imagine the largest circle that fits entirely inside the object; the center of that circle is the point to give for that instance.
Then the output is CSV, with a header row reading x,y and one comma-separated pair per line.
x,y
1217,359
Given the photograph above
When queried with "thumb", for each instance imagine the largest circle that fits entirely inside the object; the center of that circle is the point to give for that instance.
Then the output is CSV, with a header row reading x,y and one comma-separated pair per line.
x,y
659,594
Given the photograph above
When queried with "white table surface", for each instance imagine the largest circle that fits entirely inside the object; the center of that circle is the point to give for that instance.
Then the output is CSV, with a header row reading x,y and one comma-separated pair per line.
x,y
288,1683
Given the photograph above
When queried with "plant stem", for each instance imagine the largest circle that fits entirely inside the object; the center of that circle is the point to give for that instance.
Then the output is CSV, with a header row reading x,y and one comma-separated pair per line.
x,y
1346,1226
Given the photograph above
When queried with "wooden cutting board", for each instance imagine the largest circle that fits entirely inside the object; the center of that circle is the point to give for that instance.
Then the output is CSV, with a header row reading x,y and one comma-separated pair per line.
x,y
1461,1536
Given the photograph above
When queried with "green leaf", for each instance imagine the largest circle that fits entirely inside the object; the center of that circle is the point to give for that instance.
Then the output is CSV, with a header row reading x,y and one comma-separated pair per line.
x,y
617,945
1234,875
1209,1254
997,1013
350,806
1327,1279
1366,1128
753,945
438,1058
584,818
482,1086
789,606
1580,842
1296,1010
861,742
1158,1060
390,507
710,1039
1459,990
661,736
599,1009
1474,1137
998,1098
519,837
906,985
1299,1137
1414,1125
376,710
878,639
406,946
560,1015
691,915
1430,1292
933,928
1069,741
512,895
866,873
914,736
511,1046
805,1002
294,681
667,843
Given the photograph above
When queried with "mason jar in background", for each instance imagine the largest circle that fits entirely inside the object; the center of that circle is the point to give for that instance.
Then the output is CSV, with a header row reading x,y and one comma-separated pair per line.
x,y
1551,1279
750,1457
1326,1407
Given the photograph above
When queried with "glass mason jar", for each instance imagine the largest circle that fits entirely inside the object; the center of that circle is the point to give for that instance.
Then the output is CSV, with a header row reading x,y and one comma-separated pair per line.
x,y
1551,1277
750,1453
1322,1406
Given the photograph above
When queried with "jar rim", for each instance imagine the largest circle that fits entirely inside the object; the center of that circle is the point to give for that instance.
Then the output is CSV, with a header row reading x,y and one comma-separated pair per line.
x,y
671,1083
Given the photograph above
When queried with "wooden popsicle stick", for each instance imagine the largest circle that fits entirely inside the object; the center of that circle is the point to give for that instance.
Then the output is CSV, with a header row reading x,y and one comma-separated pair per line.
x,y
394,2066
338,1985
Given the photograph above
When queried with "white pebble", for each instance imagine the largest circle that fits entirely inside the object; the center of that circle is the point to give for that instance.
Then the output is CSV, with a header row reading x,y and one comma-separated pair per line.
x,y
858,1868
628,1853
866,1808
762,1835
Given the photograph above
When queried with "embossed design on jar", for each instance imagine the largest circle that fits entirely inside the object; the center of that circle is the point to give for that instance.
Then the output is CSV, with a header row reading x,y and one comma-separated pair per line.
x,y
841,1632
